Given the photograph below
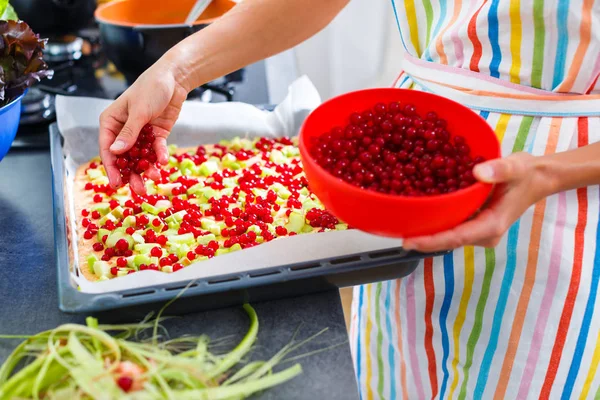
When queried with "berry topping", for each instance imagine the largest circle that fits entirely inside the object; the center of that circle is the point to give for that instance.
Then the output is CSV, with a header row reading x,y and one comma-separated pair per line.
x,y
403,153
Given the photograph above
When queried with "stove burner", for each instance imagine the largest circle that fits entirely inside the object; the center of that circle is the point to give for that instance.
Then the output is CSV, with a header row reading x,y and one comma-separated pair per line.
x,y
37,107
223,87
65,48
206,94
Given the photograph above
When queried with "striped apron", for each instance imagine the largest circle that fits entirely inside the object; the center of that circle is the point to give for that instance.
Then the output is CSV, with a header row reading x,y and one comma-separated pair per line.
x,y
522,320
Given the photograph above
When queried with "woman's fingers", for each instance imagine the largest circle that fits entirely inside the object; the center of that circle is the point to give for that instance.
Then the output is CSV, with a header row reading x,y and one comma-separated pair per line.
x,y
110,125
160,146
137,184
130,131
116,138
485,228
503,169
108,160
153,173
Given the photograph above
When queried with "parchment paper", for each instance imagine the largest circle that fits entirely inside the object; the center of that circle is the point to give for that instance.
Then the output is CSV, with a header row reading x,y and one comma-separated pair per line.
x,y
202,123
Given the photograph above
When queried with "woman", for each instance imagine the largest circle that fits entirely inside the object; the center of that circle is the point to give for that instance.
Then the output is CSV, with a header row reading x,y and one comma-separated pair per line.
x,y
512,317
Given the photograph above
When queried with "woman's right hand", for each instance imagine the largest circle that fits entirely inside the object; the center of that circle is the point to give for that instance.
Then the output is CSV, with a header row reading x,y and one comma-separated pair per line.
x,y
155,98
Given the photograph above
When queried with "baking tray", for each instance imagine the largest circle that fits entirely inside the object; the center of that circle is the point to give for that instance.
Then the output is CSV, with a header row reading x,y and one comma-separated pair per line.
x,y
218,291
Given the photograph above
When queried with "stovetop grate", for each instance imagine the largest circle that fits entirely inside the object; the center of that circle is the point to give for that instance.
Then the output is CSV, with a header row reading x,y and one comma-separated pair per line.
x,y
82,69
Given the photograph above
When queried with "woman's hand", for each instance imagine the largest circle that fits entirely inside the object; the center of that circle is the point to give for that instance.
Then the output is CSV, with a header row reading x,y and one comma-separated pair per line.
x,y
520,182
155,98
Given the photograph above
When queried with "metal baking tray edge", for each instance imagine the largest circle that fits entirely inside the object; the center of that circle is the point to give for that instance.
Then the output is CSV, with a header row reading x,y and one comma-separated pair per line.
x,y
225,290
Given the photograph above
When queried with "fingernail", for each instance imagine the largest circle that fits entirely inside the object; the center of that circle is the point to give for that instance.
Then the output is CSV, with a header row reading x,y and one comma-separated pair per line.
x,y
408,246
484,172
118,145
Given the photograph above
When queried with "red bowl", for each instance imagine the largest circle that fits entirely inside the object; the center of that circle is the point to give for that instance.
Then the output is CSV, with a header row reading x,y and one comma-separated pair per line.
x,y
394,215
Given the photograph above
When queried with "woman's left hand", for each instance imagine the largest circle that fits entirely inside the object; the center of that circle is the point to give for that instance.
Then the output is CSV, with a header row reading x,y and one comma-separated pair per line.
x,y
519,184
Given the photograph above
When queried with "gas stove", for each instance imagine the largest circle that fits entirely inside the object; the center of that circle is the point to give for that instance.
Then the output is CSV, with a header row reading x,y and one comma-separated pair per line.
x,y
81,69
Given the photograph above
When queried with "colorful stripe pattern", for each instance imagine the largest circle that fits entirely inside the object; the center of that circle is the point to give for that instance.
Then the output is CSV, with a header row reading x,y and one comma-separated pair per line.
x,y
515,40
429,298
521,320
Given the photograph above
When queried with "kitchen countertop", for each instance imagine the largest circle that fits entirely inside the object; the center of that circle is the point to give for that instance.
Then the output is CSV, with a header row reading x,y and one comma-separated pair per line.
x,y
29,304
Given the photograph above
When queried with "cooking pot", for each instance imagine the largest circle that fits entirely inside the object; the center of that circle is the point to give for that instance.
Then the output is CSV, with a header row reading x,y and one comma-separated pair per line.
x,y
136,33
55,17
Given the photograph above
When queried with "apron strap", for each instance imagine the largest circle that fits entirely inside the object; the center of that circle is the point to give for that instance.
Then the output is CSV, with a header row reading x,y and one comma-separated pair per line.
x,y
485,93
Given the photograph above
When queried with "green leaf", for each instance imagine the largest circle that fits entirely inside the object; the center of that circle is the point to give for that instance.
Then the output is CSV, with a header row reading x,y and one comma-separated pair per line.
x,y
8,13
241,389
88,372
241,349
3,6
21,62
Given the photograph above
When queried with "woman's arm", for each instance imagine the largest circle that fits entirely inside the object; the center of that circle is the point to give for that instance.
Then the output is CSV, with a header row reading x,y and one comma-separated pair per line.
x,y
572,169
251,31
521,181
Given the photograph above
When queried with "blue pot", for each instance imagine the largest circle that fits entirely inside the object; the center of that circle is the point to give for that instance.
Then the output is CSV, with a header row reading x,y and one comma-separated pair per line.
x,y
10,115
